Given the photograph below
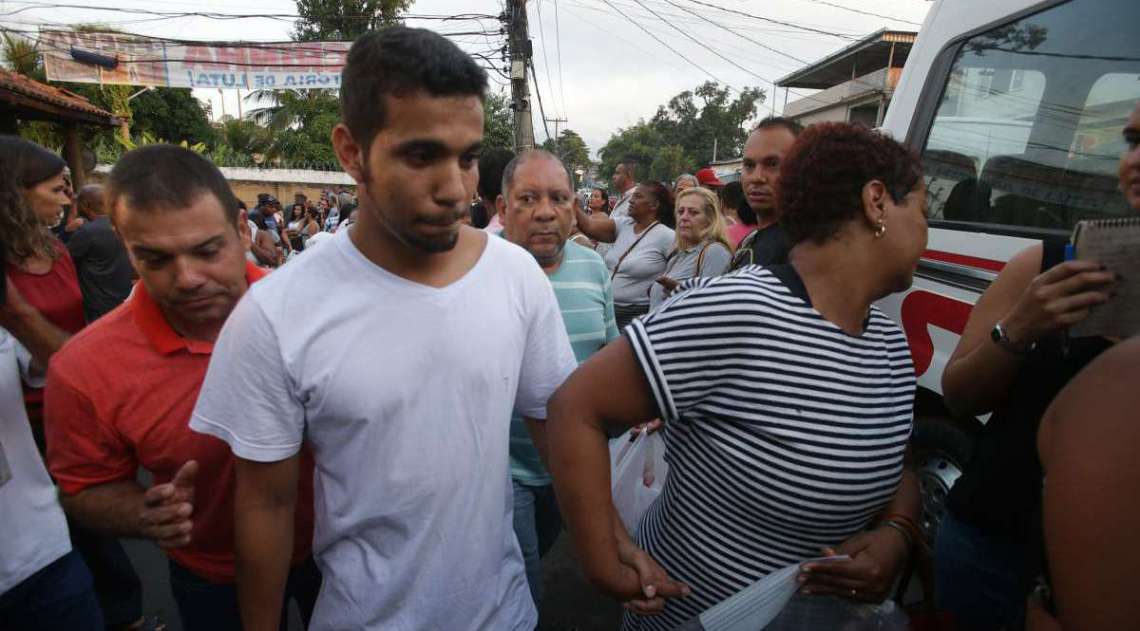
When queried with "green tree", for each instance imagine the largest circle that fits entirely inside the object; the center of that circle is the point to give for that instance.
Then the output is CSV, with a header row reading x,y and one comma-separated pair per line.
x,y
345,20
498,122
669,162
173,114
680,136
22,56
570,147
639,142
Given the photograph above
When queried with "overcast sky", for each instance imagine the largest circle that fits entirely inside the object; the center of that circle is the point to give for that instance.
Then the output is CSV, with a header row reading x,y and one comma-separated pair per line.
x,y
596,68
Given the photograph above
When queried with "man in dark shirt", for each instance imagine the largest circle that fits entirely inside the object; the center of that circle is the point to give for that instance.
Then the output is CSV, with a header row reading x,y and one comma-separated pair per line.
x,y
763,152
105,273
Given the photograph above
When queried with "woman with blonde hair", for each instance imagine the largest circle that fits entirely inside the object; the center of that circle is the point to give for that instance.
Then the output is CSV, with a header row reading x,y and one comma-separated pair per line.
x,y
701,247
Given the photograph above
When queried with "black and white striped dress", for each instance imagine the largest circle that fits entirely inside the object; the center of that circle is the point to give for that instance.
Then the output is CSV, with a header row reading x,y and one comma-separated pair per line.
x,y
783,434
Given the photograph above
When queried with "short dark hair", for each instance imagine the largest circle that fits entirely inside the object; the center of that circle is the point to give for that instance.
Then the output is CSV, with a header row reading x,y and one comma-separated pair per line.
x,y
630,163
527,156
773,122
397,61
491,166
664,198
823,175
167,177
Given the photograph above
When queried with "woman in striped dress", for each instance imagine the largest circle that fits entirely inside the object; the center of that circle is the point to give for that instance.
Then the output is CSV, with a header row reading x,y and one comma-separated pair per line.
x,y
787,401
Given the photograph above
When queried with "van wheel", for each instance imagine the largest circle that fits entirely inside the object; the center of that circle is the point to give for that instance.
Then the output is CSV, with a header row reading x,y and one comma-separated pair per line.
x,y
940,448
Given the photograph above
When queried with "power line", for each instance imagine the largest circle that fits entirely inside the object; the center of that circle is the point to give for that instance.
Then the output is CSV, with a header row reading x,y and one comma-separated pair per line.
x,y
601,28
718,54
862,12
782,32
33,5
538,93
738,34
662,42
542,42
770,20
700,43
558,44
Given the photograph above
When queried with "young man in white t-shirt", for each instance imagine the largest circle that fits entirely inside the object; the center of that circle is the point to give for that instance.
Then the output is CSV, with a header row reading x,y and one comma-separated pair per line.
x,y
406,408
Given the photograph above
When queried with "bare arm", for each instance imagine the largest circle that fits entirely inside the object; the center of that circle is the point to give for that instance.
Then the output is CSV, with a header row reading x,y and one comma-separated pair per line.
x,y
596,226
264,249
265,499
162,513
579,462
30,327
1030,305
1088,443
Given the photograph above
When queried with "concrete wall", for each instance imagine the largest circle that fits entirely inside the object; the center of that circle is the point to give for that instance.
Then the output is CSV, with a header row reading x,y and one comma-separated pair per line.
x,y
284,191
276,182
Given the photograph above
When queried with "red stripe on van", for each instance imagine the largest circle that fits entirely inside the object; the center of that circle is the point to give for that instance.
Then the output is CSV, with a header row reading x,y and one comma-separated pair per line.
x,y
961,259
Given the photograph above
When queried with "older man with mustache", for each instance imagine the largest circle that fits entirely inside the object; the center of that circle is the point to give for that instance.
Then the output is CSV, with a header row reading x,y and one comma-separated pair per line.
x,y
537,207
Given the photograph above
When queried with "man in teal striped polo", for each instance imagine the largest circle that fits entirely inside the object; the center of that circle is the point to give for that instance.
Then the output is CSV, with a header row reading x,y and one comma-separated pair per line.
x,y
537,210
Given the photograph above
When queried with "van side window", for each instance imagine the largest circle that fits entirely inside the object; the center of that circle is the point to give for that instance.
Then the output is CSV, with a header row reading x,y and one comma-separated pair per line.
x,y
1027,132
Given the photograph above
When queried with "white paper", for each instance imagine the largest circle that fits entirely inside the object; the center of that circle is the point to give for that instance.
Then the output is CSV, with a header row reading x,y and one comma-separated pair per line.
x,y
1116,245
755,606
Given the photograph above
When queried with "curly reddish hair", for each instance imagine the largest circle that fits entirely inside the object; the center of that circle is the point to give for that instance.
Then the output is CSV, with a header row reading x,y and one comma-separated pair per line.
x,y
822,178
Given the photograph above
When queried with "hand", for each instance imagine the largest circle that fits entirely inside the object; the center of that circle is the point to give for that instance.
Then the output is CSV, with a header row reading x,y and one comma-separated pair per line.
x,y
648,428
655,584
1058,298
877,558
669,284
168,509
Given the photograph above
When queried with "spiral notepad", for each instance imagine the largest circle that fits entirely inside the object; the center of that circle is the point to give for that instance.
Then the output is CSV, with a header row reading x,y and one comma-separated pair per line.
x,y
1115,243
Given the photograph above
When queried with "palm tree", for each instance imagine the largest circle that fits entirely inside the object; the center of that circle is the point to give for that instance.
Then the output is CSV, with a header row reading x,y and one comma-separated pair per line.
x,y
22,56
281,110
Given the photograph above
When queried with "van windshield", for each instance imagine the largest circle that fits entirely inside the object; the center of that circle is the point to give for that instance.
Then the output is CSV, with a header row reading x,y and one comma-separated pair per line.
x,y
1028,130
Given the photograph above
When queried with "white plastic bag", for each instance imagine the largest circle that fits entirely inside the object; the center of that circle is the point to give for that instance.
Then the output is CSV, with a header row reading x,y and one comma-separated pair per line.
x,y
637,474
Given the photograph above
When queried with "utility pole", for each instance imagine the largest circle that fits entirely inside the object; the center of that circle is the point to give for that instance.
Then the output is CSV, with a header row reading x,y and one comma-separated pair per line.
x,y
520,47
556,121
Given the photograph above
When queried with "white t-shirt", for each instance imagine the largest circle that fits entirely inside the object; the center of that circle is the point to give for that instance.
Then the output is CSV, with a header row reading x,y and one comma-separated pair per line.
x,y
404,393
33,526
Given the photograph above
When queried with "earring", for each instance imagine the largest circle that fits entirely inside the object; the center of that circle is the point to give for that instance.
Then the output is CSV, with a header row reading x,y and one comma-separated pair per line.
x,y
880,230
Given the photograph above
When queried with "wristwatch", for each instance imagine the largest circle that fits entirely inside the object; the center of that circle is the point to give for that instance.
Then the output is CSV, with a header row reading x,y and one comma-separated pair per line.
x,y
1001,338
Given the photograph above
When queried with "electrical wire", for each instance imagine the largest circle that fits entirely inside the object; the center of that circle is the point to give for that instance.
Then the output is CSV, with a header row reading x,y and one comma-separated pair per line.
x,y
538,93
662,42
862,12
803,27
542,42
739,34
700,43
558,44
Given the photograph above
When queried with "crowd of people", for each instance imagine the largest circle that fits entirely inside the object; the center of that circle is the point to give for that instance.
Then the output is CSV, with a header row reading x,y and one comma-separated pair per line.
x,y
336,433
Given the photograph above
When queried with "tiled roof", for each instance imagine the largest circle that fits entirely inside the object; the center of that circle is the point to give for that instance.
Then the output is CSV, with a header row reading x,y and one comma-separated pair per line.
x,y
50,94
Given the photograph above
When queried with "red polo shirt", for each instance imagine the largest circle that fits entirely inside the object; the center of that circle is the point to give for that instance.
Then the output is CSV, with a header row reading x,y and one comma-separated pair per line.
x,y
119,395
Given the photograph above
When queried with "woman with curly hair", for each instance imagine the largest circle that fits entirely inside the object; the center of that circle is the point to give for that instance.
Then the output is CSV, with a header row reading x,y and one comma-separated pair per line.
x,y
786,397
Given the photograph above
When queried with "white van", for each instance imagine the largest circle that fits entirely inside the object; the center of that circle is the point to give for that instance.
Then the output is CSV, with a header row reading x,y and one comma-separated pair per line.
x,y
1016,107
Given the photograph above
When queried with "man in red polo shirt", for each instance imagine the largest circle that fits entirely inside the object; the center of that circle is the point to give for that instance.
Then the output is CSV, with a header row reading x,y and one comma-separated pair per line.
x,y
120,393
